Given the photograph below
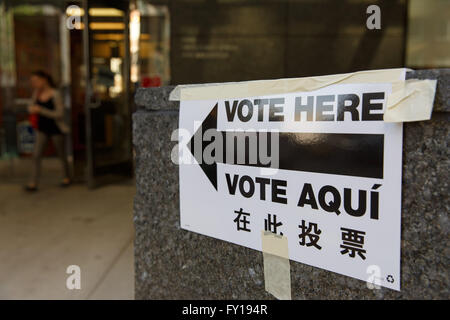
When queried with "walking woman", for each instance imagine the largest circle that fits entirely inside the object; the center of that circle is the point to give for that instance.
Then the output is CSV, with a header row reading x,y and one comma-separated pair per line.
x,y
48,107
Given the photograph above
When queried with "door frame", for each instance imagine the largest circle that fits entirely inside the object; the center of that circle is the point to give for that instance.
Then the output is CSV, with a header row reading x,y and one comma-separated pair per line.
x,y
91,179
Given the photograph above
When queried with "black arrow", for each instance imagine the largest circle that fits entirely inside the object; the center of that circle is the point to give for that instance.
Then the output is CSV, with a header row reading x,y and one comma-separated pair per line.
x,y
358,155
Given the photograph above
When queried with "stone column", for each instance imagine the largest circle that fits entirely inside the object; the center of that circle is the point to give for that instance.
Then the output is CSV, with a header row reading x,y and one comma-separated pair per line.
x,y
172,263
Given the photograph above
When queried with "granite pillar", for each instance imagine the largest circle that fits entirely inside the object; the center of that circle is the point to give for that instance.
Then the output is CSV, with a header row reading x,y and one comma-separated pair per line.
x,y
171,263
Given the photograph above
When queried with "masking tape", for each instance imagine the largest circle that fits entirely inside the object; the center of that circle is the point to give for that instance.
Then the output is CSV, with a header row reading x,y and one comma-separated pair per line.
x,y
411,100
214,91
175,94
277,270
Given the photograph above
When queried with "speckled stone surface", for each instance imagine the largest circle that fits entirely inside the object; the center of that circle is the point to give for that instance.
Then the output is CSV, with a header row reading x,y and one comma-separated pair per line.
x,y
442,97
155,98
172,263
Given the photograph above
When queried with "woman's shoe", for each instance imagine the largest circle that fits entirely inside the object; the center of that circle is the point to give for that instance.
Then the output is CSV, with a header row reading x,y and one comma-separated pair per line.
x,y
65,183
29,188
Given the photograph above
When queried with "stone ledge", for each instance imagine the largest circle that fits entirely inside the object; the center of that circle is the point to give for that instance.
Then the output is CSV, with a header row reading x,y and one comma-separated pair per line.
x,y
158,98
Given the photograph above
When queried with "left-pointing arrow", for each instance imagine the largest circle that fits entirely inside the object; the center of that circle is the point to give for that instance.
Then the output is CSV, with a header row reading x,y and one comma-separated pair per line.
x,y
359,155
210,122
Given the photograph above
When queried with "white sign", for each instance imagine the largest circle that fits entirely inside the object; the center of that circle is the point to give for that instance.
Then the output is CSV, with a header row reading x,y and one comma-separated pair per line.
x,y
320,167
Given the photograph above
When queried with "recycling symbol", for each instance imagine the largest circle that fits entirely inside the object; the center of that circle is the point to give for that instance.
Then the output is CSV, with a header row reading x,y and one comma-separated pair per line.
x,y
390,279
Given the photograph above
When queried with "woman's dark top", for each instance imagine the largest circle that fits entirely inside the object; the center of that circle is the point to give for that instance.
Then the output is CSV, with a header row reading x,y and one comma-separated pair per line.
x,y
45,124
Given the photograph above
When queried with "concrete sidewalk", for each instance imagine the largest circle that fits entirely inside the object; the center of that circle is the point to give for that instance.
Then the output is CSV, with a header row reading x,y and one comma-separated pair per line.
x,y
41,234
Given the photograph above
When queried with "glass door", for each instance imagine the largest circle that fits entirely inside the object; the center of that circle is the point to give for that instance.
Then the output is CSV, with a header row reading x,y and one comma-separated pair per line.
x,y
107,100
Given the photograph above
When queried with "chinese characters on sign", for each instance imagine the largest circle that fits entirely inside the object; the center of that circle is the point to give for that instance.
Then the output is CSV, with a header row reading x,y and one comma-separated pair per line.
x,y
309,234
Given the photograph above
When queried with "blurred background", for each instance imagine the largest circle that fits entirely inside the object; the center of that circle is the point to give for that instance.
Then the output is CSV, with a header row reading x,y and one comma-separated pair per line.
x,y
100,51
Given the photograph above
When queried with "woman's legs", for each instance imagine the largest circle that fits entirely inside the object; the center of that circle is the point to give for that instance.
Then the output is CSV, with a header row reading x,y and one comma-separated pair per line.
x,y
58,142
39,146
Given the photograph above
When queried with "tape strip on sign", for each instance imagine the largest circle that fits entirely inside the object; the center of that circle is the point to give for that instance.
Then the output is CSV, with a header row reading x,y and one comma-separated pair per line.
x,y
175,94
277,271
411,101
214,91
